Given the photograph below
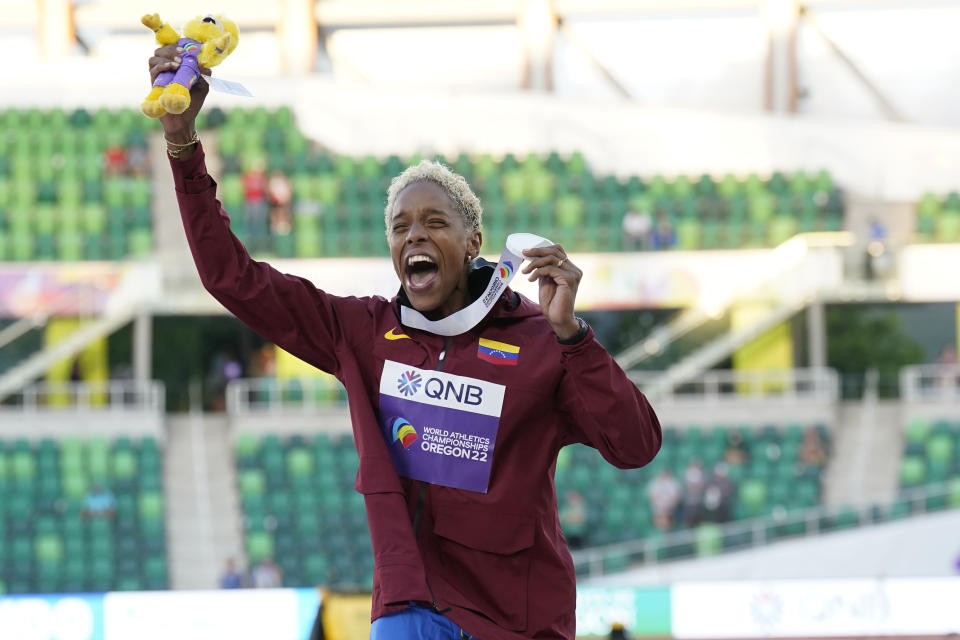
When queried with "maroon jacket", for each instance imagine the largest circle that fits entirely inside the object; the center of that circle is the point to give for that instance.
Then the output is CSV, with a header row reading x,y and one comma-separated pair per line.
x,y
495,563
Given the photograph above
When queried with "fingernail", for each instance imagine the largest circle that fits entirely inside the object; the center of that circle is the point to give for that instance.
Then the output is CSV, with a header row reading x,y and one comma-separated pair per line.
x,y
179,49
177,60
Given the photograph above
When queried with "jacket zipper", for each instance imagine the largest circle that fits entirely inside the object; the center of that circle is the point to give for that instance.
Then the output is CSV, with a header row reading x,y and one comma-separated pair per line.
x,y
422,491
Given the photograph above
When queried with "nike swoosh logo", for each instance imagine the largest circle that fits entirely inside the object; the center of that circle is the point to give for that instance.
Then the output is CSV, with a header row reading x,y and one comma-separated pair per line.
x,y
390,335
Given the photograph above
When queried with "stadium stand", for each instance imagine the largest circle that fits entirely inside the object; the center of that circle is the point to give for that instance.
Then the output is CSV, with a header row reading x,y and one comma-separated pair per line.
x,y
767,475
337,201
49,542
300,508
932,457
74,185
938,220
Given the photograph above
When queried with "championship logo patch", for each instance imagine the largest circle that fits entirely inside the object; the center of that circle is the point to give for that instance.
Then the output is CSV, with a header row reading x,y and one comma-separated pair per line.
x,y
403,432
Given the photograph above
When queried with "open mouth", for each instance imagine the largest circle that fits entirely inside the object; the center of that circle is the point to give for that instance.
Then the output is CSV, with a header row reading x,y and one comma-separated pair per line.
x,y
421,272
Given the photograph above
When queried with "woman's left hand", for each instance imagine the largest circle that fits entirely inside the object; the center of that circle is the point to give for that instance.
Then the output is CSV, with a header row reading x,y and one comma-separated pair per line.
x,y
559,279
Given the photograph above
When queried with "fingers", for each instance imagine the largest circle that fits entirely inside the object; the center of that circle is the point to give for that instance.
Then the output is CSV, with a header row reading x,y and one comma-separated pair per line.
x,y
549,261
159,65
167,58
168,51
542,256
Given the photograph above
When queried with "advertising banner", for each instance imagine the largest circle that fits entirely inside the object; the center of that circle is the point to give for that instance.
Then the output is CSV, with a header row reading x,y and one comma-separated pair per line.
x,y
242,614
642,611
816,608
52,617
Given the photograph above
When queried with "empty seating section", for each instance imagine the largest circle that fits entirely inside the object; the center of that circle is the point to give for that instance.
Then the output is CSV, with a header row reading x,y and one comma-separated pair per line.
x,y
938,220
74,185
336,203
931,459
767,473
300,508
49,542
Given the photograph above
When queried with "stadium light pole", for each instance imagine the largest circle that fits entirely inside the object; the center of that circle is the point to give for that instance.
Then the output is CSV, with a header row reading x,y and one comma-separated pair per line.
x,y
538,23
55,28
297,31
781,72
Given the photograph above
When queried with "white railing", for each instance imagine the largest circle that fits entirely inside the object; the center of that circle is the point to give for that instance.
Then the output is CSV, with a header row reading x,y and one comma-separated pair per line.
x,y
110,395
930,383
820,385
269,395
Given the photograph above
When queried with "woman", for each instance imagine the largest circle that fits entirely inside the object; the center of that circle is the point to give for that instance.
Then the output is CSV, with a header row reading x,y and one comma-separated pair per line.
x,y
458,429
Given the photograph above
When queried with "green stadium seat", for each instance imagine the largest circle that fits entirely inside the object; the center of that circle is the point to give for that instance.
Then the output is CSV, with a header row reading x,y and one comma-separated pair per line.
x,y
49,549
252,482
299,462
709,540
124,464
913,471
151,506
753,496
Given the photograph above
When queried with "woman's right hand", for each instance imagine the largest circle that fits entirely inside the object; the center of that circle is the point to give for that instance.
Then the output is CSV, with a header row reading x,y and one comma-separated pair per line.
x,y
180,127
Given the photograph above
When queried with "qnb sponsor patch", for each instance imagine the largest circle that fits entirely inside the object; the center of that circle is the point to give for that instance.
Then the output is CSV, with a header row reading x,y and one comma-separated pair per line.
x,y
440,428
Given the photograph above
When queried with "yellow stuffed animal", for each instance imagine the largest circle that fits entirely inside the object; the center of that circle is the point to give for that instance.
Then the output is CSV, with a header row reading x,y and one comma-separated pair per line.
x,y
206,42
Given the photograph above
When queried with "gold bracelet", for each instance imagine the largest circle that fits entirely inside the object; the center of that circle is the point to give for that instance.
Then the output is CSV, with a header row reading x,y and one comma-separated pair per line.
x,y
174,149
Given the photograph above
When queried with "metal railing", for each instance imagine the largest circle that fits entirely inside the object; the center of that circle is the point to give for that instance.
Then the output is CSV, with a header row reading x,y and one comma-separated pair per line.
x,y
712,387
930,383
758,531
270,395
110,395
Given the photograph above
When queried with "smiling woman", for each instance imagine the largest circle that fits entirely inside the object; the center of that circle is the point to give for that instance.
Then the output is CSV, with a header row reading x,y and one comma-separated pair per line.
x,y
433,238
457,472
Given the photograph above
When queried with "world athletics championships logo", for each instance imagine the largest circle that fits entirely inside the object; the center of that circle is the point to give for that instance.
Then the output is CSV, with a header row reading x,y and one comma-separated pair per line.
x,y
404,432
506,270
409,383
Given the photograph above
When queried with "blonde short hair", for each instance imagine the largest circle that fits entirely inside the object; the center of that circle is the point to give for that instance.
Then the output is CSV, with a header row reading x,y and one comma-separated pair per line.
x,y
455,186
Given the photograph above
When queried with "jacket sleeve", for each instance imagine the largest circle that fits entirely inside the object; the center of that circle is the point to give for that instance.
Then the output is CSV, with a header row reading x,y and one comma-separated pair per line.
x,y
287,310
604,408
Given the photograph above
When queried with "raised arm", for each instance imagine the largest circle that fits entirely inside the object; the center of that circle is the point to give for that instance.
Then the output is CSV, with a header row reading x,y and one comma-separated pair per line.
x,y
284,309
179,129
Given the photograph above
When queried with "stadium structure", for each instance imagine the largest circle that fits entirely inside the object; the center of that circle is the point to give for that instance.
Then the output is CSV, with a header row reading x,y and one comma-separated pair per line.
x,y
763,197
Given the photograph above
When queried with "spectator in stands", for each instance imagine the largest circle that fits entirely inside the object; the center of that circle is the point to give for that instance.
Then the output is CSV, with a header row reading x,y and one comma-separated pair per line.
x,y
224,367
573,519
231,578
736,452
636,230
99,502
664,494
812,451
718,495
664,236
267,575
115,160
256,209
947,363
618,632
694,481
263,362
460,545
280,195
138,162
876,258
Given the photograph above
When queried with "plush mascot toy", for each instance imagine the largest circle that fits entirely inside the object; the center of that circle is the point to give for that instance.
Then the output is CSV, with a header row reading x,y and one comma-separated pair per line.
x,y
206,42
